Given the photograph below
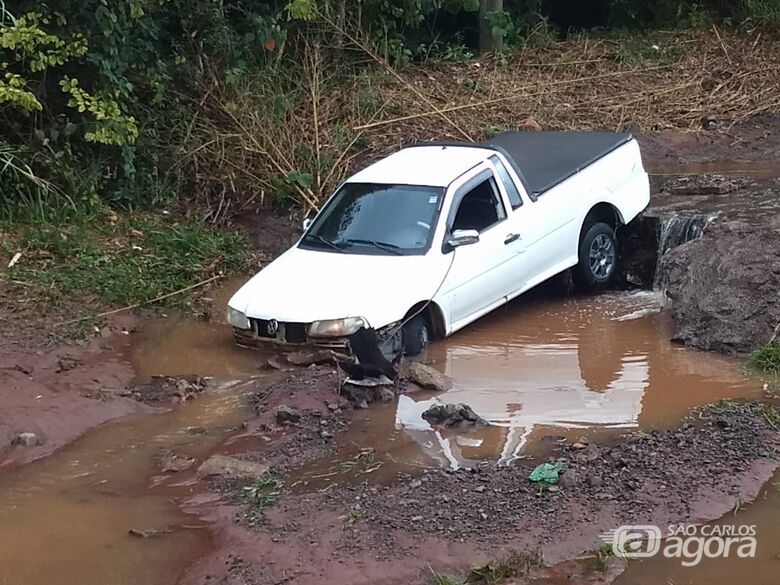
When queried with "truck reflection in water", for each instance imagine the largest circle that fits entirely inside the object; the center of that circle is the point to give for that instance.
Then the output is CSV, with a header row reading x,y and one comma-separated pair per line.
x,y
549,367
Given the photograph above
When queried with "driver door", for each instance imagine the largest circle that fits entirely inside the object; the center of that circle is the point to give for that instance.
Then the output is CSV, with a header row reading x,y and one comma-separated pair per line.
x,y
482,274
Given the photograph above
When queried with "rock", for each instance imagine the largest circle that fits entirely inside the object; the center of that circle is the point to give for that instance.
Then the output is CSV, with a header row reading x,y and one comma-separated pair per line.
x,y
232,467
427,377
450,415
595,481
579,446
27,371
569,479
275,363
724,287
706,185
529,124
174,462
709,123
385,393
361,393
285,414
66,363
168,389
25,440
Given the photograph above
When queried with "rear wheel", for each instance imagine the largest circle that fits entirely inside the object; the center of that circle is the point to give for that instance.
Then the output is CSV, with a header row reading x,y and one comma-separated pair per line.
x,y
597,257
416,335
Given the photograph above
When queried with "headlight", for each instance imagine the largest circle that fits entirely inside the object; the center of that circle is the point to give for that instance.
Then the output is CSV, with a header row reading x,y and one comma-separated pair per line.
x,y
237,319
336,327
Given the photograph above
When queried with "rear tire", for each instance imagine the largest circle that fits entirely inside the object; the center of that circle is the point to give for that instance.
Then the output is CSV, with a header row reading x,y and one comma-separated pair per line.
x,y
416,336
598,255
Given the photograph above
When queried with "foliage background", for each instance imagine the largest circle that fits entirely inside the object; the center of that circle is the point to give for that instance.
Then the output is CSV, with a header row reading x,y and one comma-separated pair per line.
x,y
137,103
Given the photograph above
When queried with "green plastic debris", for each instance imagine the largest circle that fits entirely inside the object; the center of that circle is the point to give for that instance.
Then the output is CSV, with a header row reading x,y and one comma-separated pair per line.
x,y
547,472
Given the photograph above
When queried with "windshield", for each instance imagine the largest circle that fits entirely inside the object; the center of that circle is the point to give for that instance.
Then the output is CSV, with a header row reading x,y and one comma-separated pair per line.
x,y
368,218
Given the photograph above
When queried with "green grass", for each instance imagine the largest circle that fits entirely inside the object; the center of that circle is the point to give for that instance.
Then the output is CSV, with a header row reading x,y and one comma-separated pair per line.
x,y
772,415
601,554
118,260
263,491
516,564
442,579
766,359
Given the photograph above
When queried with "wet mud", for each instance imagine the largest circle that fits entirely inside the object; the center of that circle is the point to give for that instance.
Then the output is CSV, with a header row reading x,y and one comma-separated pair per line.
x,y
379,495
59,393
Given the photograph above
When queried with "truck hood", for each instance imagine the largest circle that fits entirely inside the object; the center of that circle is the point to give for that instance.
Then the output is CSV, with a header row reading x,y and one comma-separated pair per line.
x,y
303,286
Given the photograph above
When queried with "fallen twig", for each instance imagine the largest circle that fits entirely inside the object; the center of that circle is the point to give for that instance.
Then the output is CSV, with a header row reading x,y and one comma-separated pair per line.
x,y
503,98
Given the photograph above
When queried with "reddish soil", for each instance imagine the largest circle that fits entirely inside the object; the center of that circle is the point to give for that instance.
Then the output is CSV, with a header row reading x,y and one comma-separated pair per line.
x,y
368,531
389,533
756,140
61,392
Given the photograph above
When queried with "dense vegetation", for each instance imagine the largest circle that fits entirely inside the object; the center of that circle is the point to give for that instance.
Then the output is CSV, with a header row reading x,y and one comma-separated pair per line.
x,y
129,127
102,101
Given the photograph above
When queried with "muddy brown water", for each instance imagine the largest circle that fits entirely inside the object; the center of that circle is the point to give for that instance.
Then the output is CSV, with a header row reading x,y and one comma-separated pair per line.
x,y
539,370
757,201
754,169
764,514
67,517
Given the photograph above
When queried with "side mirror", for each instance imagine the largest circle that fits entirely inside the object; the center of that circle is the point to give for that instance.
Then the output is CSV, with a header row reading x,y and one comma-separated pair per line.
x,y
463,238
306,224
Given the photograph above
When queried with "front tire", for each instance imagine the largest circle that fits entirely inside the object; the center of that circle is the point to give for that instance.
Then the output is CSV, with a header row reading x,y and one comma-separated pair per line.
x,y
416,336
598,256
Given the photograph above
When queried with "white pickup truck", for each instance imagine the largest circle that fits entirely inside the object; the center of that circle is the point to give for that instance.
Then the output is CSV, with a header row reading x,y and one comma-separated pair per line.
x,y
429,239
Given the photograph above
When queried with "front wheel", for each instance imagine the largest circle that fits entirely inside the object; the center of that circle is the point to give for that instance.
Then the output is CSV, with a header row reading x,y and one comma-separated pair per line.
x,y
597,257
416,336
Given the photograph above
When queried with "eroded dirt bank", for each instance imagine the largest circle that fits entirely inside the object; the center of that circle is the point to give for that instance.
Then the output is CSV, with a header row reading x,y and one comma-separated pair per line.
x,y
725,287
724,188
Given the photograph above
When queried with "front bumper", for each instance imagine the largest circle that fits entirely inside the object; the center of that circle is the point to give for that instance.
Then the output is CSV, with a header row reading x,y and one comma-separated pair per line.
x,y
263,332
294,334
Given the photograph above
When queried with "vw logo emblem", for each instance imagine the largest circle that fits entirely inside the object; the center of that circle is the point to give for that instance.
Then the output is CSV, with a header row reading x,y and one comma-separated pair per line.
x,y
272,327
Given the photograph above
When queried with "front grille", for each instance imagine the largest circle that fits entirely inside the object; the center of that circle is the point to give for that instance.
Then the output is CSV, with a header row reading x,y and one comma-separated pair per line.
x,y
263,328
295,332
269,329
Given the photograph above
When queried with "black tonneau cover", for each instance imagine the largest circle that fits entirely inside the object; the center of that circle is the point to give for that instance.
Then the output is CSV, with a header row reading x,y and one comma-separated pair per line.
x,y
544,159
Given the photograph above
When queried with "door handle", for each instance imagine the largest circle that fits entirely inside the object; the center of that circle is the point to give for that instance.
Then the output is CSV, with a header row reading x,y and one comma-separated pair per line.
x,y
511,238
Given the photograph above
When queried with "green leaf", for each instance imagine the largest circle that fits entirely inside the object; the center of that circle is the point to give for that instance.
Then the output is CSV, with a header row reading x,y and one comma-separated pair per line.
x,y
305,180
471,5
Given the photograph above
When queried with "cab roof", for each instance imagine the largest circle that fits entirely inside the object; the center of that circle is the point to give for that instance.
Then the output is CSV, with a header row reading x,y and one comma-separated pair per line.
x,y
432,166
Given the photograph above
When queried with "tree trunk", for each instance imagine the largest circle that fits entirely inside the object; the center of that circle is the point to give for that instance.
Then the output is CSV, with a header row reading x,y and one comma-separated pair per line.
x,y
487,42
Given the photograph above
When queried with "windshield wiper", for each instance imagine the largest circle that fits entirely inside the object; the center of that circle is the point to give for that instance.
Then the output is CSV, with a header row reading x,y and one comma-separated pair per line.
x,y
325,241
387,247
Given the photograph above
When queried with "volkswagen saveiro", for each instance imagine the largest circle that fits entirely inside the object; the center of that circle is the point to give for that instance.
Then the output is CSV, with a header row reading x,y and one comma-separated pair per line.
x,y
431,238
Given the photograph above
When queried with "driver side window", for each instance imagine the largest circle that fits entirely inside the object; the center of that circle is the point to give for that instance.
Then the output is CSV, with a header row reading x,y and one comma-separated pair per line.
x,y
480,208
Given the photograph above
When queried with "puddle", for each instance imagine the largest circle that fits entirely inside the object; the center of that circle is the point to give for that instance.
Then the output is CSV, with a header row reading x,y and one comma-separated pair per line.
x,y
539,371
754,169
747,191
761,570
66,518
177,346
